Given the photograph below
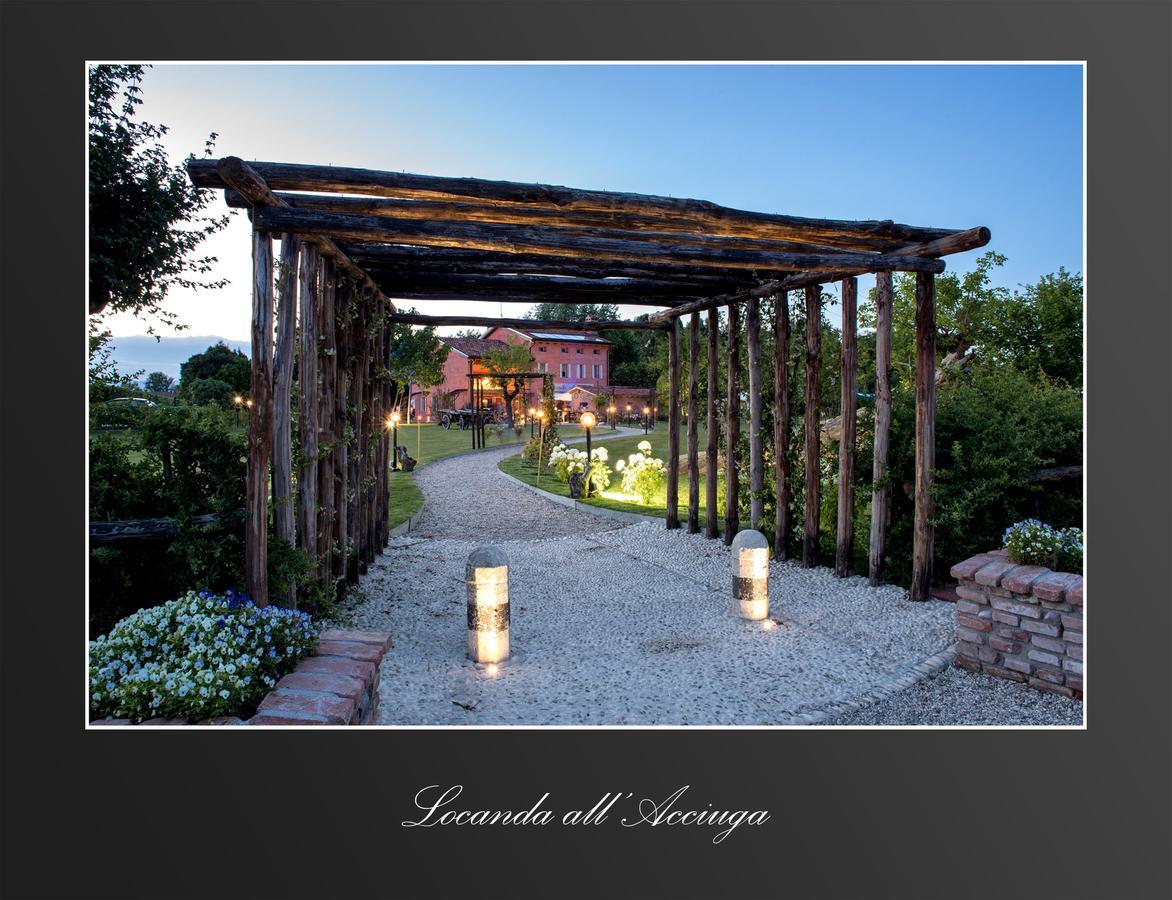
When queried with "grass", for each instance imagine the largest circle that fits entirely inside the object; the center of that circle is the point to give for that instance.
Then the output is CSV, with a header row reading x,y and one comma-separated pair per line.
x,y
620,447
428,443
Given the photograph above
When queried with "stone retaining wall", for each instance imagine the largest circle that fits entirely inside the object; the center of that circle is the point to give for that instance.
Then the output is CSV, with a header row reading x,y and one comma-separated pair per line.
x,y
338,685
1024,623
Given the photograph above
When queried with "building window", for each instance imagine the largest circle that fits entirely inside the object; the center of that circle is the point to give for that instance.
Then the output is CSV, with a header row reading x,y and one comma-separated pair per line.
x,y
581,370
540,349
577,349
565,370
595,351
543,367
597,371
564,350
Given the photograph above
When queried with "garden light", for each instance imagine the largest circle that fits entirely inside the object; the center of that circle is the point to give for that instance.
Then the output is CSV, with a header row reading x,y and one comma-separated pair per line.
x,y
487,577
646,418
393,424
750,574
589,420
611,411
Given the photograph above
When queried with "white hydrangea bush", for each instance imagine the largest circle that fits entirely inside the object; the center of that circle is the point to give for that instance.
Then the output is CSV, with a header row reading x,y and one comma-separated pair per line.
x,y
197,657
644,476
1033,542
568,460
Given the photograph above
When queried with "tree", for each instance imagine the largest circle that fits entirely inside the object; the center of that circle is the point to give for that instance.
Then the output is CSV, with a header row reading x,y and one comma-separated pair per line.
x,y
209,390
159,383
145,215
474,333
219,362
506,366
417,357
573,312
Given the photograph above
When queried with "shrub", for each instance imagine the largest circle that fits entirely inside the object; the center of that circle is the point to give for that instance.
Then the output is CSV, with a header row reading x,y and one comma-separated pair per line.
x,y
644,476
1034,543
200,656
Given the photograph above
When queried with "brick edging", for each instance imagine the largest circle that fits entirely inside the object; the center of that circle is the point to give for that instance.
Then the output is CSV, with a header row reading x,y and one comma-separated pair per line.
x,y
1021,623
337,685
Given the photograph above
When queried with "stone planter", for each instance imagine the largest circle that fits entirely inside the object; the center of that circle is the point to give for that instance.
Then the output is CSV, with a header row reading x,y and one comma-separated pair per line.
x,y
1023,623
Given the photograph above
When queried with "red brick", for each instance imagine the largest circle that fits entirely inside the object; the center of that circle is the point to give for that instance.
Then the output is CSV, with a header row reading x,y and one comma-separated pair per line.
x,y
965,648
1055,585
1041,627
998,643
1015,634
1074,651
1018,665
1017,608
1054,676
1072,665
1005,673
1074,682
1041,656
964,662
968,606
1051,688
1054,645
974,622
288,719
1020,579
991,573
350,650
334,710
337,665
380,639
968,634
973,594
1074,595
1072,623
987,655
341,685
1005,618
969,567
1072,637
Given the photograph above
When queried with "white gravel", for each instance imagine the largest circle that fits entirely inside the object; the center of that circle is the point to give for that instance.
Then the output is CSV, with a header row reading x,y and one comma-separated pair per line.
x,y
626,624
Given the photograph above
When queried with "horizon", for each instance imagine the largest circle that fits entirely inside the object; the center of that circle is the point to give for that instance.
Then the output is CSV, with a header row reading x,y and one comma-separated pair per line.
x,y
713,132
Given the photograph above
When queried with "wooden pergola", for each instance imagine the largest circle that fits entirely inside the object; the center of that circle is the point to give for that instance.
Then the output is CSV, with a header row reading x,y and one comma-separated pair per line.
x,y
351,239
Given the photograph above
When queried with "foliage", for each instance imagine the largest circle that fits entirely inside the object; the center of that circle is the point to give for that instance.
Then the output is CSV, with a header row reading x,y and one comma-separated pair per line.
x,y
573,312
1034,543
159,383
549,434
644,476
506,365
417,357
219,362
203,391
196,657
144,214
568,460
105,381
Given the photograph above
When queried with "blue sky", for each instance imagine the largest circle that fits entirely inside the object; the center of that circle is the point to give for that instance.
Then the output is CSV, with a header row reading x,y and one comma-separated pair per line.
x,y
947,146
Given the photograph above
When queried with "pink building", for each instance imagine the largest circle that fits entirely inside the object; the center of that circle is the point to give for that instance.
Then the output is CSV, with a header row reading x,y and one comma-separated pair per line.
x,y
578,361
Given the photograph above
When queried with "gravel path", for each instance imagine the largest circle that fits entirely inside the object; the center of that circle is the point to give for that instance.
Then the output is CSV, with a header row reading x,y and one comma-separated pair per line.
x,y
634,625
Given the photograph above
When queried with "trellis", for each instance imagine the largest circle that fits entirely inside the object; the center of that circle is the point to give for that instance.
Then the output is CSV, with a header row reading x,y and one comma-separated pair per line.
x,y
353,238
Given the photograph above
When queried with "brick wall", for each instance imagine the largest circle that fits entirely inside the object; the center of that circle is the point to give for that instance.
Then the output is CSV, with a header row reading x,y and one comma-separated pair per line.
x,y
338,685
1024,623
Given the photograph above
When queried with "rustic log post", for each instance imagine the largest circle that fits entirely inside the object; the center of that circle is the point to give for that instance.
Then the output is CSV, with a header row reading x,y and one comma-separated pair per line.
x,y
327,430
756,450
357,451
732,427
283,359
923,542
693,423
881,491
260,431
673,425
710,484
812,424
341,449
781,423
845,548
307,407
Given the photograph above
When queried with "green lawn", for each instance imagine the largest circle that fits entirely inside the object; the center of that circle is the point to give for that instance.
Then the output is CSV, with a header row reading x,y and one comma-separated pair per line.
x,y
427,443
621,447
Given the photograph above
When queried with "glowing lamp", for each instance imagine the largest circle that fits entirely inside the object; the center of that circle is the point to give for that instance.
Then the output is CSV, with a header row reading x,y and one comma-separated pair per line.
x,y
750,574
487,577
237,399
588,420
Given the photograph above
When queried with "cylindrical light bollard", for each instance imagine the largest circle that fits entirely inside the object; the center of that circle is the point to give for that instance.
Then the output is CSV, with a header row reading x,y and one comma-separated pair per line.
x,y
750,573
487,576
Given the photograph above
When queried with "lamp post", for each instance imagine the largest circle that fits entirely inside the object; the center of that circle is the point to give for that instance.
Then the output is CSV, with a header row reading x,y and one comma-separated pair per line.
x,y
393,424
486,575
238,401
646,419
588,421
628,413
750,574
540,441
532,415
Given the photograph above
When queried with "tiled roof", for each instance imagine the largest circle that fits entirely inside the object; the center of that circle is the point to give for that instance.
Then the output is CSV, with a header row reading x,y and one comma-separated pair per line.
x,y
474,348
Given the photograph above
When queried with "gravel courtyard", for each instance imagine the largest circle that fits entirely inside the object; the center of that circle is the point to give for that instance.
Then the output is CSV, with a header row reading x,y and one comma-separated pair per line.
x,y
623,624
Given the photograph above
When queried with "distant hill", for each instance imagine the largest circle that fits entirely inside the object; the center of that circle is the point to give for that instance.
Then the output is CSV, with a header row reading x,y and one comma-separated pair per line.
x,y
134,352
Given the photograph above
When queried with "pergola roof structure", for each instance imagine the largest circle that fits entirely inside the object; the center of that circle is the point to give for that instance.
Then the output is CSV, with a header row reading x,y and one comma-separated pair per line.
x,y
428,238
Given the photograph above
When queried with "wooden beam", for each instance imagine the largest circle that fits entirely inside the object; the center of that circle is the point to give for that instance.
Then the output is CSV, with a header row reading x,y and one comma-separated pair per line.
x,y
546,297
932,250
711,480
848,400
673,426
781,425
924,534
307,406
613,290
693,422
813,402
527,324
732,428
283,358
680,213
756,448
233,172
260,429
409,259
601,244
646,228
880,489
